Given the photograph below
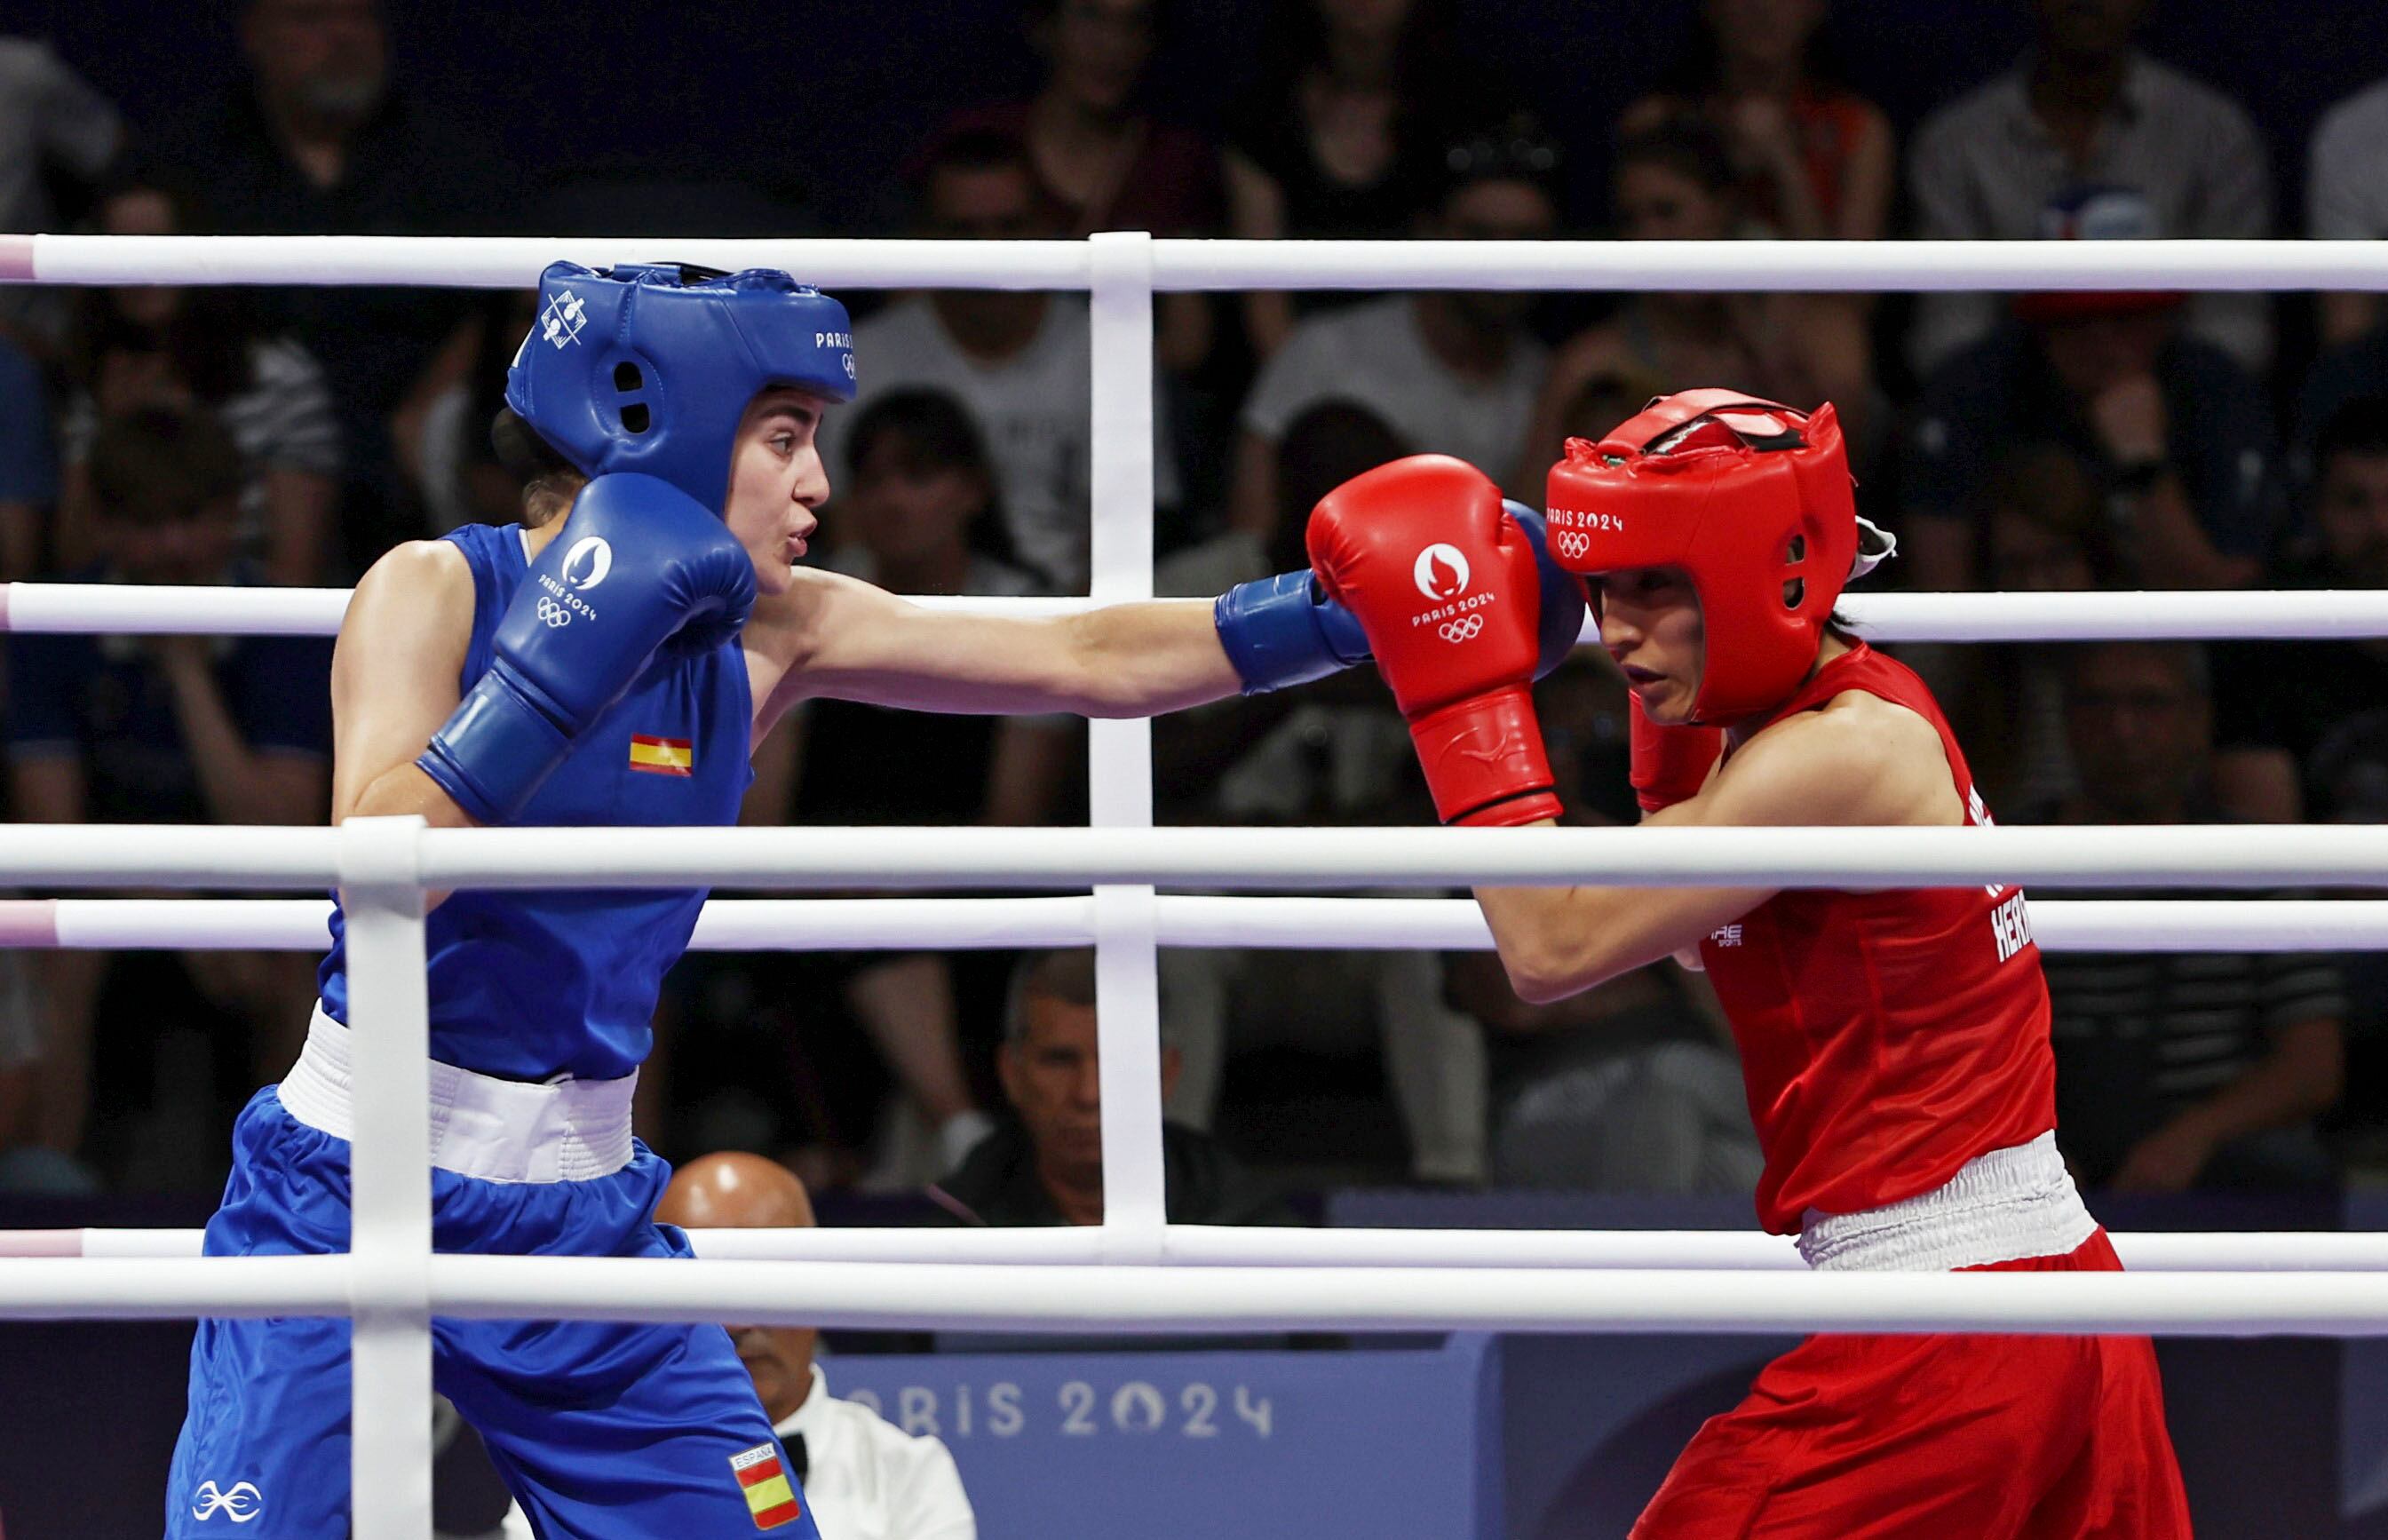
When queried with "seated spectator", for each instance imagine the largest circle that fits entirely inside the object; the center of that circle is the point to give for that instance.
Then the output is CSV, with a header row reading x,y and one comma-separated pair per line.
x,y
1816,160
1452,372
29,464
2042,527
131,348
1101,159
1045,1166
863,1478
2346,197
2282,700
1344,135
918,518
1020,360
318,139
2177,1070
1631,1086
2176,435
54,130
2083,112
167,730
1677,181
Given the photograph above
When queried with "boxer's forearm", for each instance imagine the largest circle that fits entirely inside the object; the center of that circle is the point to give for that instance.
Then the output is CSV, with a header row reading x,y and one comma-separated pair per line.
x,y
1142,659
849,640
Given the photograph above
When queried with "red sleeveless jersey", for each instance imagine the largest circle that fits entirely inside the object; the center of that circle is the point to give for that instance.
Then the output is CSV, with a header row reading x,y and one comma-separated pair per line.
x,y
1887,1039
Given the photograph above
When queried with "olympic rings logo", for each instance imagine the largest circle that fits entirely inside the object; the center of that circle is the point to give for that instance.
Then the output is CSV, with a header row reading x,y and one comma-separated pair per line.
x,y
1464,629
555,615
1571,542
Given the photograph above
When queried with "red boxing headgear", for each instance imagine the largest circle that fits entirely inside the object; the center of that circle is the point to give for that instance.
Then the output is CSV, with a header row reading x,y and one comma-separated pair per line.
x,y
1749,498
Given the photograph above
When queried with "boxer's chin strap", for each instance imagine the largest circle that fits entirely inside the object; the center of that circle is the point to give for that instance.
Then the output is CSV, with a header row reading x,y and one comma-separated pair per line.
x,y
1876,546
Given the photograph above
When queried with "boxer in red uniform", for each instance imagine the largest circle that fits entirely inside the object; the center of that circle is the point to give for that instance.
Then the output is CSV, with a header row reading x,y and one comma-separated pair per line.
x,y
1895,1044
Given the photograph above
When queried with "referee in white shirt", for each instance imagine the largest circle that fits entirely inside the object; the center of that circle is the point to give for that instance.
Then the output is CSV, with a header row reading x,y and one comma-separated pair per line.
x,y
865,1478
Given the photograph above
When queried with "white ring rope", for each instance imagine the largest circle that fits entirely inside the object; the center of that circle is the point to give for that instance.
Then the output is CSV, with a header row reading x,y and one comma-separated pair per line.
x,y
128,610
2213,856
1040,1297
1238,1246
1178,264
1183,920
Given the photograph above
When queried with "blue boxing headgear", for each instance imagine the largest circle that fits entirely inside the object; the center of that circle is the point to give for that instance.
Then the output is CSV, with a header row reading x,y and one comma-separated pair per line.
x,y
650,368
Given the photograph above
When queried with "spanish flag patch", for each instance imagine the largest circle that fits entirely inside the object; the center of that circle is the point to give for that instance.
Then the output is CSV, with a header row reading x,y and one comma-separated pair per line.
x,y
663,756
771,1497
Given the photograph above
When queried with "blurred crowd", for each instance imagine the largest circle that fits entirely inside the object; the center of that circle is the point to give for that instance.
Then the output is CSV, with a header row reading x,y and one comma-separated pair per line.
x,y
2037,442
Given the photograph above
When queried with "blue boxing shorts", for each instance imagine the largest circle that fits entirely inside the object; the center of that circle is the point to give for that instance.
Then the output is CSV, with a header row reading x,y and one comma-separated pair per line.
x,y
602,1430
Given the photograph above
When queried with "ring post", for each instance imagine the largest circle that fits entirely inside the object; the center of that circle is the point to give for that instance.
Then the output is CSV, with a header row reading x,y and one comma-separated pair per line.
x,y
1119,753
389,1178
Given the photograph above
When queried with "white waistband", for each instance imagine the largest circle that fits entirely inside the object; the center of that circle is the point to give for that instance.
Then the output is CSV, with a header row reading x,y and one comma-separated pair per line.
x,y
2000,1207
497,1130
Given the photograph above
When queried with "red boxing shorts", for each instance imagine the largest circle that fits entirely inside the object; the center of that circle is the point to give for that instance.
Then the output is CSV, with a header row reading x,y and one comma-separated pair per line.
x,y
1876,1437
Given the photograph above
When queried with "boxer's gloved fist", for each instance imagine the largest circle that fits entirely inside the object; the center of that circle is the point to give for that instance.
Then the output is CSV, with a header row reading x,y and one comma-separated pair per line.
x,y
1445,584
637,561
1284,631
1669,764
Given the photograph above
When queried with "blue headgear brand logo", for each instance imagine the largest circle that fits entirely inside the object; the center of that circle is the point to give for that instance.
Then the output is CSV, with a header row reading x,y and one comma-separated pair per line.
x,y
650,368
561,322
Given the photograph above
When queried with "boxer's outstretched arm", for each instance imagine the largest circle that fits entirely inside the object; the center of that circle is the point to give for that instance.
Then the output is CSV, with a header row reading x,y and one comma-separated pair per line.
x,y
1862,760
837,637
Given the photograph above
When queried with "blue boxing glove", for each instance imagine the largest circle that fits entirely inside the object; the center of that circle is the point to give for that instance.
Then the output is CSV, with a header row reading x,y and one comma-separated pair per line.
x,y
636,563
1284,630
1564,599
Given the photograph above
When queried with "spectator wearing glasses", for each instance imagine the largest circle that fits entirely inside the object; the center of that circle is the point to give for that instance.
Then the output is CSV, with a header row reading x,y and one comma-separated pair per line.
x,y
2177,1070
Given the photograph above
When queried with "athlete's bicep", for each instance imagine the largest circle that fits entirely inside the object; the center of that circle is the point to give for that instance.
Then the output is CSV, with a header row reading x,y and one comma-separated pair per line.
x,y
394,680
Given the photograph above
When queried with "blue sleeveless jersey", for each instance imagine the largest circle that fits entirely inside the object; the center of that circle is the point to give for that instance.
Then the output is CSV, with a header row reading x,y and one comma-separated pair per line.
x,y
533,984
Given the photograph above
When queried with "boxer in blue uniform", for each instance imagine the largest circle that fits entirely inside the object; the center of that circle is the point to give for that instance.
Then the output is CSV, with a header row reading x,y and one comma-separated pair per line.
x,y
612,661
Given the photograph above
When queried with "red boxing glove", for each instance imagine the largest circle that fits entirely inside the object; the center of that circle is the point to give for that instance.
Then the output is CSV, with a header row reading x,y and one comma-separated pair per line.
x,y
1444,583
1671,764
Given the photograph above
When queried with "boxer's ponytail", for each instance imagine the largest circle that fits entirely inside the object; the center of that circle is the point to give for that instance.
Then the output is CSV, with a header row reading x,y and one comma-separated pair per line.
x,y
549,482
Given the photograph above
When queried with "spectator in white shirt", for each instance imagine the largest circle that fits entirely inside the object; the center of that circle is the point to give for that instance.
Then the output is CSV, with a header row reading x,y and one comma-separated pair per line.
x,y
2086,110
1452,372
863,1478
1018,360
2346,196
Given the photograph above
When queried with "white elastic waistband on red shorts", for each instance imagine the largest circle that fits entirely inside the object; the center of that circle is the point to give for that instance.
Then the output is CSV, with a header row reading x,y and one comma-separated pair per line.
x,y
2003,1206
496,1130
